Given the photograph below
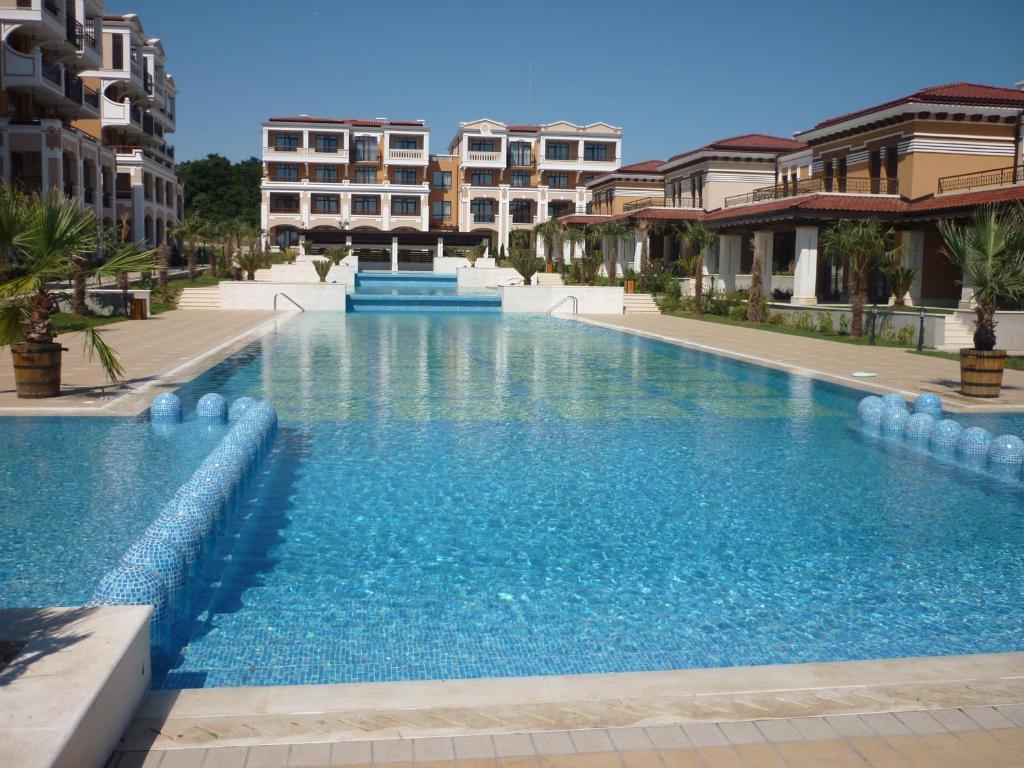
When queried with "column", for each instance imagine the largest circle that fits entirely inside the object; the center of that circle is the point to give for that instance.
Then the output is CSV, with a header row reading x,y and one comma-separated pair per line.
x,y
440,248
912,255
394,254
638,249
764,244
139,214
805,275
385,212
730,247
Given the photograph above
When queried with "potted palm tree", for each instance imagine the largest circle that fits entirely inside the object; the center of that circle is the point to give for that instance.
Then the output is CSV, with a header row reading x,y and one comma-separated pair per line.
x,y
56,237
990,252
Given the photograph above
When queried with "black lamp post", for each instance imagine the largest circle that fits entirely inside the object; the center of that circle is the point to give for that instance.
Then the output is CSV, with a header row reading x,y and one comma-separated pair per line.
x,y
874,320
920,333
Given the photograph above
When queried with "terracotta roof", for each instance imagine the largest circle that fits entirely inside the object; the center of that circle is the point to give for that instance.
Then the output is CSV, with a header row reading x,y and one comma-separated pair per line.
x,y
353,121
662,214
815,202
647,166
969,199
585,218
523,128
748,142
971,94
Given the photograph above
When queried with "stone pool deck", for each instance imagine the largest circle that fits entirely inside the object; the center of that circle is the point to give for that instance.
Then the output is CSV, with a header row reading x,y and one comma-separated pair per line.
x,y
949,711
158,354
898,369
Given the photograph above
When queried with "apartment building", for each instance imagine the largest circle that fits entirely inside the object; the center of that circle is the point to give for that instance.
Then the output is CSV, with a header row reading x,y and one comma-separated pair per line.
x,y
375,185
87,104
638,185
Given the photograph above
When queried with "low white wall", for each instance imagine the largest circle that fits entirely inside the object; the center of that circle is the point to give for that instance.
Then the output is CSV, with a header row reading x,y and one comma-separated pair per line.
x,y
1009,329
782,283
449,265
303,272
592,300
105,302
934,324
249,294
487,277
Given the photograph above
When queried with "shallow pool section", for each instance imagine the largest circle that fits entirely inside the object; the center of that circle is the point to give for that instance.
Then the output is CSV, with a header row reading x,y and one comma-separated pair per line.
x,y
460,496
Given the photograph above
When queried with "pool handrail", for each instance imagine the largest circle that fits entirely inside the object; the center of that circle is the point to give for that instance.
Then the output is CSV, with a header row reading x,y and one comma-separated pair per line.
x,y
575,305
293,301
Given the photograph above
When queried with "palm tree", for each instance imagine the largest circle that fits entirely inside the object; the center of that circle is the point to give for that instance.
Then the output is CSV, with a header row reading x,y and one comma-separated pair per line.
x,y
525,262
552,233
58,234
862,245
900,280
574,236
252,261
698,239
12,226
163,258
990,251
615,230
189,230
756,297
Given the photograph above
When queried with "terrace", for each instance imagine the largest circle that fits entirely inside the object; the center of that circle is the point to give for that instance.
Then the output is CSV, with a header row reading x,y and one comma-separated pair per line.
x,y
850,185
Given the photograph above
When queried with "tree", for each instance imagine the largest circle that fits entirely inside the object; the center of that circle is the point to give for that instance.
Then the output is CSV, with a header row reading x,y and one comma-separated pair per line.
x,y
574,236
900,280
615,230
12,225
862,246
525,262
698,239
551,232
57,234
189,230
217,189
755,301
990,251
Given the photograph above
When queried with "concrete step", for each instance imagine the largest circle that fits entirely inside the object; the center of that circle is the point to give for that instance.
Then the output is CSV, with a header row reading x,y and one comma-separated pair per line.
x,y
200,298
549,278
640,303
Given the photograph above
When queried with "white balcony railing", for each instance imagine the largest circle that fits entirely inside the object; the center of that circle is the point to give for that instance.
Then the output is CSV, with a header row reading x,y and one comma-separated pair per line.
x,y
27,70
115,112
406,154
484,157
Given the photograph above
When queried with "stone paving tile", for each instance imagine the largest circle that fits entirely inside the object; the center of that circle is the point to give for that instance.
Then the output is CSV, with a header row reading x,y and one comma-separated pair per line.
x,y
392,751
885,724
1013,712
138,760
878,752
988,746
760,756
721,757
467,747
308,755
225,757
953,720
742,733
705,735
592,760
813,728
351,753
631,738
953,750
513,745
268,756
778,730
681,758
519,762
641,758
915,752
433,749
592,740
833,753
553,743
184,758
920,723
667,736
988,717
849,726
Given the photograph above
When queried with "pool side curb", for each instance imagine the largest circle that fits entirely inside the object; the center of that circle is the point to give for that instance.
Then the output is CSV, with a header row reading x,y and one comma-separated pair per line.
x,y
69,694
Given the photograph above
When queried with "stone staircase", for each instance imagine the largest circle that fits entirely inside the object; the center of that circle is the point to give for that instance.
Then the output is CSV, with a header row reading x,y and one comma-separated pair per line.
x,y
639,303
959,331
200,298
548,279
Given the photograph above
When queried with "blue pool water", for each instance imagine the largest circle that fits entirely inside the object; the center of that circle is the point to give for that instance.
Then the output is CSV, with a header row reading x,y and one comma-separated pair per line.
x,y
462,496
405,292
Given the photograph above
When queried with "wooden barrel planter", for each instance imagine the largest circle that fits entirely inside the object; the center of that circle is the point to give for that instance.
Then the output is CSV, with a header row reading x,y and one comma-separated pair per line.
x,y
630,286
37,370
981,373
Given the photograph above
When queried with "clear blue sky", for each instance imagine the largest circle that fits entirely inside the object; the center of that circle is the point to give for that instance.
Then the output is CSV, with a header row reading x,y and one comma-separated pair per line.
x,y
673,74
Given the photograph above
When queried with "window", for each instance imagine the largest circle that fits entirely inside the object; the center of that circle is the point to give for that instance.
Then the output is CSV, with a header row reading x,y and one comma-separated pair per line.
x,y
328,174
441,210
325,203
560,208
366,175
519,179
697,191
558,180
892,167
520,210
482,210
404,142
405,175
482,179
442,180
828,176
366,205
117,51
286,142
841,173
519,153
287,237
284,203
286,173
404,206
366,149
557,150
481,145
589,177
595,152
326,143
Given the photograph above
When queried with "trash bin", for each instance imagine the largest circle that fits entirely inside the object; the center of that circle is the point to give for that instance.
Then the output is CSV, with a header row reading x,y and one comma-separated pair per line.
x,y
631,286
138,309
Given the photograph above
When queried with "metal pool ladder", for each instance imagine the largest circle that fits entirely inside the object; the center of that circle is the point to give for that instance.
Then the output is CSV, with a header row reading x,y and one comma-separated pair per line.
x,y
575,305
293,301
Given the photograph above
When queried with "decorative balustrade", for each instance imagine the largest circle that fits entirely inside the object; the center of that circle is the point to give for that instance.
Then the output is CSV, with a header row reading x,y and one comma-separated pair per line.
x,y
659,202
817,184
997,177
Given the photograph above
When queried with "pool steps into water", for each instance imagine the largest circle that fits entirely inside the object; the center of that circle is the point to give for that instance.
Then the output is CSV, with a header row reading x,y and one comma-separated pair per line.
x,y
412,292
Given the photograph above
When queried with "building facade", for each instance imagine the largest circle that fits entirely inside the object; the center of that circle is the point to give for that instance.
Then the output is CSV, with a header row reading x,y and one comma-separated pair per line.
x,y
88,105
359,181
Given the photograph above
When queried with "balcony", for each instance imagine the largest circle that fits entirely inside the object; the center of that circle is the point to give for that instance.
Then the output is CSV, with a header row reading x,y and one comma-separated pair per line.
x,y
817,184
520,160
366,155
43,19
406,155
481,217
661,202
998,177
488,158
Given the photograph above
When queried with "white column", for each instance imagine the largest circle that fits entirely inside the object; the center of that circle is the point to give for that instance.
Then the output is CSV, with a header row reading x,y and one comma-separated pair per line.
x,y
138,213
440,247
729,249
913,256
764,243
385,211
394,254
805,276
638,249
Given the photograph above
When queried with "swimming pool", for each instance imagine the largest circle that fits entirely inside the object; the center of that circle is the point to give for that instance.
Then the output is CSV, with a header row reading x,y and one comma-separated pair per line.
x,y
460,496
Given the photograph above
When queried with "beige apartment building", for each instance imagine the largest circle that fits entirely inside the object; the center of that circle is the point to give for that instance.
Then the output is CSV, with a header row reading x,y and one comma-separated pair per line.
x,y
374,183
88,105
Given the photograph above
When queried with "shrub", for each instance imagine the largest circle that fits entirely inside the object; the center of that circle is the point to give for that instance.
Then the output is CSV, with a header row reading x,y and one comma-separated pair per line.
x,y
672,288
804,322
738,313
825,323
777,318
167,294
322,267
905,335
844,325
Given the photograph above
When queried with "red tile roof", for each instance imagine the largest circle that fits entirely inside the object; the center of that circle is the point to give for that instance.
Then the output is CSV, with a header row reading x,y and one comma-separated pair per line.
x,y
353,121
647,166
969,199
662,214
524,128
814,203
748,142
971,94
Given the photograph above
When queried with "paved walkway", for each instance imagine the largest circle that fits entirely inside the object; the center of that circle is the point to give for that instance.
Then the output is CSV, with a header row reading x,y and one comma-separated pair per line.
x,y
897,369
159,353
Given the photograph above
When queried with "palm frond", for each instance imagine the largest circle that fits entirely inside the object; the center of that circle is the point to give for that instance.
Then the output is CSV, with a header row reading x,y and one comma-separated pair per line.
x,y
96,346
127,257
12,315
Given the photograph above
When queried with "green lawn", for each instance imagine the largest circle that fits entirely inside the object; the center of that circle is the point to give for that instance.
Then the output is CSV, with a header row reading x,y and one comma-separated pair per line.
x,y
67,323
201,282
791,331
1015,363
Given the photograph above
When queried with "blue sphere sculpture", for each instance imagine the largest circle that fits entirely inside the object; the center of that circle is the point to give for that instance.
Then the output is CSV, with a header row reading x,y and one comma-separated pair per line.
x,y
870,409
919,427
197,510
974,441
240,406
894,422
212,408
132,585
161,558
944,435
1007,450
893,401
184,534
928,403
165,407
